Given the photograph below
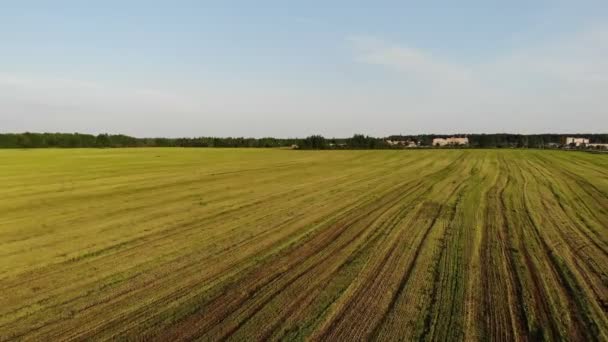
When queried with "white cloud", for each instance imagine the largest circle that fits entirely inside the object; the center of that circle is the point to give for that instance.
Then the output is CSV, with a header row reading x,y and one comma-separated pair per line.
x,y
558,85
413,62
66,93
30,103
235,108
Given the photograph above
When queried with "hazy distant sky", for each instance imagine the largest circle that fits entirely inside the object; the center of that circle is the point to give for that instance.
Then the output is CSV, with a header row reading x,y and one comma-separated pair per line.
x,y
294,68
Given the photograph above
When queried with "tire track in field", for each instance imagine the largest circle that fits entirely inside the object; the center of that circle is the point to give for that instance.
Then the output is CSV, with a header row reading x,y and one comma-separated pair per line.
x,y
304,300
383,271
161,235
407,275
377,238
600,197
579,203
381,262
346,215
580,327
321,265
540,304
581,227
503,316
325,239
584,324
144,288
368,244
581,243
432,311
384,199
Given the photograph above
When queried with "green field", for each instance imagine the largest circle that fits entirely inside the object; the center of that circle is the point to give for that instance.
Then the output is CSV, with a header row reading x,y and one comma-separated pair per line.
x,y
255,244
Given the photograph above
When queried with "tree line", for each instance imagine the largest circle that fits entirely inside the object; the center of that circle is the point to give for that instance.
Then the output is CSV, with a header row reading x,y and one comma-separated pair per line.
x,y
76,140
357,141
500,140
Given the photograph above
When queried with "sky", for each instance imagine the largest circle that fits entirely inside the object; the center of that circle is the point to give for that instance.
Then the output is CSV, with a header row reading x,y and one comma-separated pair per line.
x,y
295,68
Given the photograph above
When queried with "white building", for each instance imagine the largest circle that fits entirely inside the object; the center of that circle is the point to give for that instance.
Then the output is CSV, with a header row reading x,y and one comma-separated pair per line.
x,y
599,146
450,141
405,143
577,141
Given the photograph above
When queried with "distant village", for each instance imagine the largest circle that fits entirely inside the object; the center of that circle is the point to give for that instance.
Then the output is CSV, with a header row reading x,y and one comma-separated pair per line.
x,y
567,143
590,142
437,142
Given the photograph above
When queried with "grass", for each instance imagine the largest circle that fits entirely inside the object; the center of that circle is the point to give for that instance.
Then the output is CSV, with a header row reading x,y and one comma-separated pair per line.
x,y
253,244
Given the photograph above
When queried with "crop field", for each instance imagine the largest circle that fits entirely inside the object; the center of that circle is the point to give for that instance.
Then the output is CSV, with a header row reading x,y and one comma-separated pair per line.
x,y
271,244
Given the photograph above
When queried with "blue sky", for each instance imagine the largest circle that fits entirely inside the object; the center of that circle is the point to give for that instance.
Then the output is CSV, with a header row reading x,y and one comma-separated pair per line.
x,y
279,68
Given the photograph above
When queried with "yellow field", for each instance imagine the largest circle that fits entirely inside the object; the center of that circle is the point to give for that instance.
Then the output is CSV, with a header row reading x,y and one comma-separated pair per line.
x,y
253,244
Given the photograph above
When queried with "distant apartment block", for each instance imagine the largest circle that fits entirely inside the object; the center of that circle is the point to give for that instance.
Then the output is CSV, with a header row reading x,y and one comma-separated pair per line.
x,y
577,141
